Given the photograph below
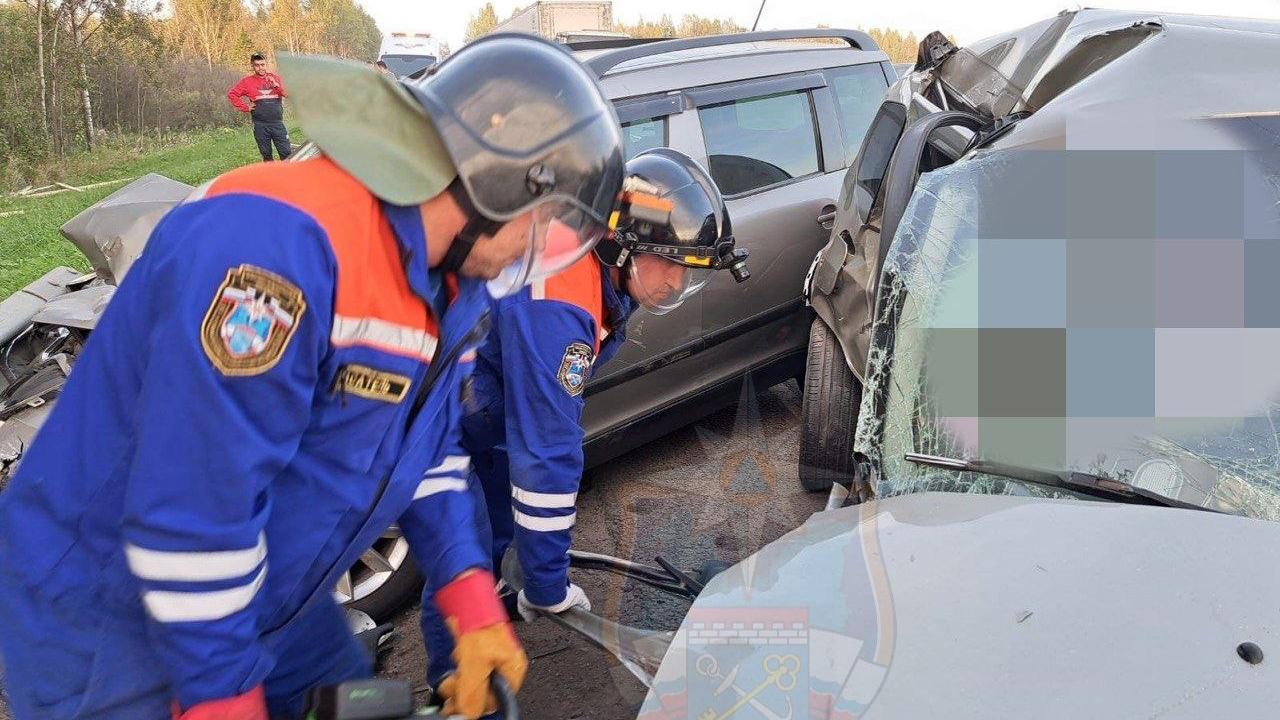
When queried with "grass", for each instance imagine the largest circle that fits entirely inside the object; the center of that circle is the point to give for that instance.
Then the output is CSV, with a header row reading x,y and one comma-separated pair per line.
x,y
30,243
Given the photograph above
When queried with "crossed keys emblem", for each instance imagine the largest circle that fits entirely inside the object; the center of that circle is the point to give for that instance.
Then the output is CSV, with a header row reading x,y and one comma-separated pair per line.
x,y
779,671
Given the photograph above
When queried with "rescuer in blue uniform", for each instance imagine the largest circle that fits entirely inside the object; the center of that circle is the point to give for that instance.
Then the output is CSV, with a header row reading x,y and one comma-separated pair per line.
x,y
277,381
670,232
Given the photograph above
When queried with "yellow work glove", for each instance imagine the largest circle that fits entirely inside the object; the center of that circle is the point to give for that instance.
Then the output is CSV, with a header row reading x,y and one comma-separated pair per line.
x,y
483,643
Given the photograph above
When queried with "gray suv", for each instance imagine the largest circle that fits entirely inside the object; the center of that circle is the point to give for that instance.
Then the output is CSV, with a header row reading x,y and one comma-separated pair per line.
x,y
775,116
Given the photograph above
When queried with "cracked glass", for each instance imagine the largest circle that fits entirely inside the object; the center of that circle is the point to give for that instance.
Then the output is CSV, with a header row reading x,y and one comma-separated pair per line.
x,y
1108,330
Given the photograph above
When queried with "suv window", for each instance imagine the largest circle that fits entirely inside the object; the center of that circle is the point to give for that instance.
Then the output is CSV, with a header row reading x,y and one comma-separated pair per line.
x,y
858,90
761,141
645,134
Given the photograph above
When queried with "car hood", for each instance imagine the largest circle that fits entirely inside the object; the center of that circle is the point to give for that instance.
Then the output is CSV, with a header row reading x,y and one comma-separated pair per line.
x,y
112,232
954,605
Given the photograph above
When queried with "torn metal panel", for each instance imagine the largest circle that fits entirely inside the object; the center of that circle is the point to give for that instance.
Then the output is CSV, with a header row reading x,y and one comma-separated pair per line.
x,y
80,309
17,310
112,232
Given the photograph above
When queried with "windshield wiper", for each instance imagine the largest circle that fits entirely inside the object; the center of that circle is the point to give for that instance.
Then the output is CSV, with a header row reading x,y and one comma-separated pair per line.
x,y
1095,486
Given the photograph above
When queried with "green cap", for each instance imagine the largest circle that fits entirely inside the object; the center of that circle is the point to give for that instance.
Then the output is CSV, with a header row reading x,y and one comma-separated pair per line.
x,y
369,125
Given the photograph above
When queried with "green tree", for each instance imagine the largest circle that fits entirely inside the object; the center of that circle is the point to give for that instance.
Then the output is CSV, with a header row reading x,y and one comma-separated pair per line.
x,y
698,26
22,138
344,29
900,47
76,71
286,25
691,25
210,29
663,27
481,23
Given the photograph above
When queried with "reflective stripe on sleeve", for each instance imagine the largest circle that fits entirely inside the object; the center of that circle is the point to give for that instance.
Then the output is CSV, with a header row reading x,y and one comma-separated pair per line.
x,y
168,606
551,501
383,335
544,524
188,566
432,486
452,465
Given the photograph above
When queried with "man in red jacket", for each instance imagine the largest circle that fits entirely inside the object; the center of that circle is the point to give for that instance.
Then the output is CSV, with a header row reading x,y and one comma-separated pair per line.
x,y
261,94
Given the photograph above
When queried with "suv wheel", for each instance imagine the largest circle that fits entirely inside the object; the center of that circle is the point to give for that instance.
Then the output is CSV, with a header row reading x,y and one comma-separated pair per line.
x,y
383,580
828,413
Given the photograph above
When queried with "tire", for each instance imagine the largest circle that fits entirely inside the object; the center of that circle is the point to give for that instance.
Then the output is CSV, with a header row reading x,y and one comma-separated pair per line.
x,y
378,594
828,413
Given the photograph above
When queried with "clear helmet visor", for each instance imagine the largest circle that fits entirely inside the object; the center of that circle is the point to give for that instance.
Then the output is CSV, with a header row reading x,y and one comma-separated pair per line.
x,y
559,235
660,285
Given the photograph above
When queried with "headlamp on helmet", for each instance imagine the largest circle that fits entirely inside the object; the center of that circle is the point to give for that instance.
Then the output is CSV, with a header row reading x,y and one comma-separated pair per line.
x,y
642,223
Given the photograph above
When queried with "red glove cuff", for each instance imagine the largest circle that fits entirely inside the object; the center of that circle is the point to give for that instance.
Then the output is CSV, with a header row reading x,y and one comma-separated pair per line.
x,y
248,706
470,601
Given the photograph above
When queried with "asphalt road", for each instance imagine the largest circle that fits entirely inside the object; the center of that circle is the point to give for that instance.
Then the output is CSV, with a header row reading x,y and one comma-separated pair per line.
x,y
716,490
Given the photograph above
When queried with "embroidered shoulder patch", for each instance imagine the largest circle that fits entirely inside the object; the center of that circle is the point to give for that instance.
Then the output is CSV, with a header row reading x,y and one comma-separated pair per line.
x,y
574,368
251,320
372,384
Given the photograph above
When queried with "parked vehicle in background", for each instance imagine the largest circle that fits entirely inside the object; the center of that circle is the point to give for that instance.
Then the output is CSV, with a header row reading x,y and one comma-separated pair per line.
x,y
776,117
560,19
408,53
574,37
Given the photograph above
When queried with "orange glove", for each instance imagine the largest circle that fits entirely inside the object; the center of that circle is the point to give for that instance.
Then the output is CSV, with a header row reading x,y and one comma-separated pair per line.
x,y
483,643
247,706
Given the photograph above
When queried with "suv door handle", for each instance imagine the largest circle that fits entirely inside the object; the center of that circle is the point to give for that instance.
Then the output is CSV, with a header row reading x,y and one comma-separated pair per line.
x,y
827,217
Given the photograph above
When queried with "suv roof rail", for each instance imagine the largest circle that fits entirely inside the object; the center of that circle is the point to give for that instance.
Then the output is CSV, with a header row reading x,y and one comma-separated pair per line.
x,y
605,62
612,43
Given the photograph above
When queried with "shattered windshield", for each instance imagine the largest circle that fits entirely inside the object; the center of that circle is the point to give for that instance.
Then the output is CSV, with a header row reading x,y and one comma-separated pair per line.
x,y
1105,312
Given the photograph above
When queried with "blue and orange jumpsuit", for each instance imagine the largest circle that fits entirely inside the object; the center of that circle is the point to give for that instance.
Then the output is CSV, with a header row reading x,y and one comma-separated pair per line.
x,y
276,382
523,426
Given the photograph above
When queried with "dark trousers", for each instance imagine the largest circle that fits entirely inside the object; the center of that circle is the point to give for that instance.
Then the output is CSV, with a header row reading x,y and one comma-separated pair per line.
x,y
268,132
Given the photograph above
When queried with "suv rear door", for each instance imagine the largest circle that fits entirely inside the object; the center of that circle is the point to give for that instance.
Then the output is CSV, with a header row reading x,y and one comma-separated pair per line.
x,y
778,147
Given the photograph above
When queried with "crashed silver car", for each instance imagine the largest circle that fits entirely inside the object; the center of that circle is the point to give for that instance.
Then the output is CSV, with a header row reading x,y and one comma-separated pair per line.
x,y
1066,476
1085,91
44,325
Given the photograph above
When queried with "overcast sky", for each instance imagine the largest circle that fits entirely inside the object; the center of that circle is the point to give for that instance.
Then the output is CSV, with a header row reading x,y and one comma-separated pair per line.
x,y
967,21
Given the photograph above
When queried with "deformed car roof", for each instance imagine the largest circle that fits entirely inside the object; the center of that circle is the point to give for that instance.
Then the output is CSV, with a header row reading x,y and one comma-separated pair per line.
x,y
1151,79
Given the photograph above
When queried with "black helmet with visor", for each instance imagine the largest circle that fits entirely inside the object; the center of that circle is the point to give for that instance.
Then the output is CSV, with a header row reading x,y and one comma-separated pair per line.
x,y
671,229
527,128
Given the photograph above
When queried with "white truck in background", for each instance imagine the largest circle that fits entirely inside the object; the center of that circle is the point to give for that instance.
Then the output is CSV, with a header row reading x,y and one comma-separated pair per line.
x,y
406,53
